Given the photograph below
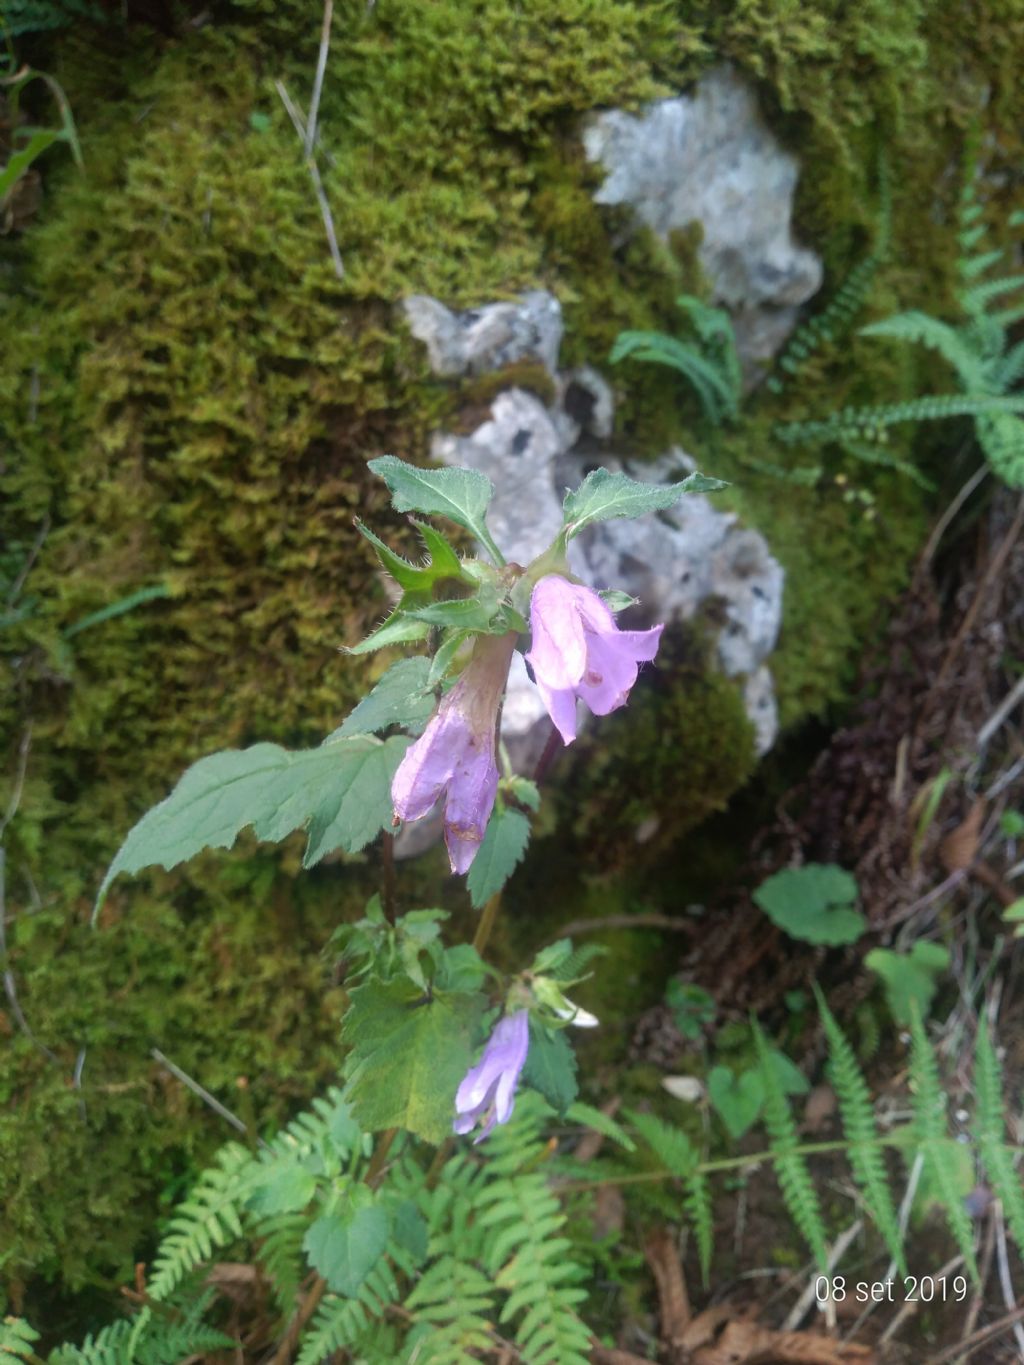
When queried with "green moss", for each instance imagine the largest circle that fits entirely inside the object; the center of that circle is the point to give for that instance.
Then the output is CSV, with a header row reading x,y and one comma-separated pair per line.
x,y
236,996
661,766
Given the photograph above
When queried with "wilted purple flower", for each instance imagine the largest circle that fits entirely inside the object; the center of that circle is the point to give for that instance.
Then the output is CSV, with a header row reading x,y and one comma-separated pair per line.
x,y
455,753
579,651
488,1089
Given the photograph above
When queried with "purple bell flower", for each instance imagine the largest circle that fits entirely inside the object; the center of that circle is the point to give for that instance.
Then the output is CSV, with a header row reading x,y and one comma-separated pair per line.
x,y
488,1089
455,754
579,652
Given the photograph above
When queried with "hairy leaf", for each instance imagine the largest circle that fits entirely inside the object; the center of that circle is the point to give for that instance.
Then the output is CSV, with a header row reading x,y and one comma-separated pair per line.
x,y
602,496
461,495
401,697
340,793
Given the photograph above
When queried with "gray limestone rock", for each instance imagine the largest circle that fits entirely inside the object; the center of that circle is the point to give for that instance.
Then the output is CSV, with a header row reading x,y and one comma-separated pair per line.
x,y
710,158
490,337
516,449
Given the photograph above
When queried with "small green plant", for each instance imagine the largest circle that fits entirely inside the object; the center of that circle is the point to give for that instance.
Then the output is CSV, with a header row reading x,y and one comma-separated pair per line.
x,y
910,979
29,142
709,362
988,364
836,319
813,903
693,1009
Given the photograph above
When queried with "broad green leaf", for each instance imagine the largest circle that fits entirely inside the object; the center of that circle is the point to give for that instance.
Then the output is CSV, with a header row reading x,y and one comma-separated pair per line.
x,y
461,495
737,1099
344,1247
284,1187
410,1229
340,793
551,1066
603,495
461,969
910,979
504,843
401,697
813,903
410,1050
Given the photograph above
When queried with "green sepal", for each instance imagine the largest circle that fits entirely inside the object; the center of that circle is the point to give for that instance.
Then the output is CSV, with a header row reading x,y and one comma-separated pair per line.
x,y
398,629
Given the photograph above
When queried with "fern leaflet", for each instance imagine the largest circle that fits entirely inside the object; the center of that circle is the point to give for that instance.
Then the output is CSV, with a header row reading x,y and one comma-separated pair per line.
x,y
16,1338
208,1219
996,1155
790,1168
933,1141
859,1128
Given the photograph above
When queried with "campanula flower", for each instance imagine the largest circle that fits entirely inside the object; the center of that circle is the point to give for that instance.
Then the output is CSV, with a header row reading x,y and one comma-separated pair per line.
x,y
488,1089
455,754
579,652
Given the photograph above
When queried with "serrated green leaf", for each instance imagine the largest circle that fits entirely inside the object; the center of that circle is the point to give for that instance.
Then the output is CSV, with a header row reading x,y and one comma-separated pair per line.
x,y
589,1117
401,697
812,903
398,629
345,1247
461,495
284,1187
551,1066
411,577
410,1230
504,843
462,613
443,559
410,1050
340,793
603,495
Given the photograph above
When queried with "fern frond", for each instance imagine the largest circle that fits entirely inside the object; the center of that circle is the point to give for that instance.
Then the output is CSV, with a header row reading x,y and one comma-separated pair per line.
x,y
836,318
452,1305
584,1114
790,1168
280,1255
977,299
860,1130
16,1338
869,452
206,1221
714,389
1010,367
973,266
697,1202
574,967
525,1252
859,422
929,1105
341,1324
669,1143
111,1346
922,329
1002,439
996,1154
